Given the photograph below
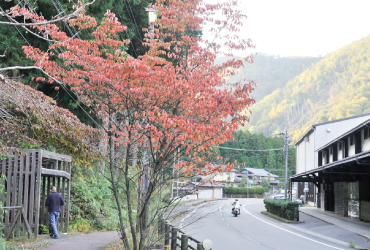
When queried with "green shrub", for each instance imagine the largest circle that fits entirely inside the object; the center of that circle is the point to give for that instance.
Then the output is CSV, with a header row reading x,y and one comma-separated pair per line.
x,y
243,190
43,229
284,208
80,225
92,206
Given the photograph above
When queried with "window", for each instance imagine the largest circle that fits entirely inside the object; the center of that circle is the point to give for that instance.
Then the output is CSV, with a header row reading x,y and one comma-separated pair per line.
x,y
339,145
351,140
366,133
330,150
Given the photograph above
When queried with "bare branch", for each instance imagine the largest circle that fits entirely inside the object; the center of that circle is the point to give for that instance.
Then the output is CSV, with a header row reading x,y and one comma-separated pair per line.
x,y
3,55
20,68
65,18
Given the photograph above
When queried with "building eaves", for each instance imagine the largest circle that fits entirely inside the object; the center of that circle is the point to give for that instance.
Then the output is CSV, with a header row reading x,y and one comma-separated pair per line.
x,y
345,134
333,164
305,134
324,123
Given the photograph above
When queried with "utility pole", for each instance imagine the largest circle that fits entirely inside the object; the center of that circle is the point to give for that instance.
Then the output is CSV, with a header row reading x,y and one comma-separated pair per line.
x,y
286,163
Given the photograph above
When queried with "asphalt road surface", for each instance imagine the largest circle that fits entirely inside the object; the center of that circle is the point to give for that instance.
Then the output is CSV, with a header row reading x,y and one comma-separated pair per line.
x,y
252,230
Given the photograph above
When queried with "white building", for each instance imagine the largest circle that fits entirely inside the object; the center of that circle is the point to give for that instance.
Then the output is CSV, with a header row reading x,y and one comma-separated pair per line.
x,y
333,161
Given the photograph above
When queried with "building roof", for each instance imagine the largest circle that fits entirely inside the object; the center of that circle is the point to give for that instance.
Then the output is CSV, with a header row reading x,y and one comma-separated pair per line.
x,y
313,127
345,134
259,172
211,185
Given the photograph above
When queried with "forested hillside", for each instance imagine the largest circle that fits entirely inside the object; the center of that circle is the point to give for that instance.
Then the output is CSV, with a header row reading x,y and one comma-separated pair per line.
x,y
271,72
337,86
253,156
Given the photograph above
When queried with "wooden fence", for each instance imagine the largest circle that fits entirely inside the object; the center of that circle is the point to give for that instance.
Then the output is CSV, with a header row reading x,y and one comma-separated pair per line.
x,y
29,177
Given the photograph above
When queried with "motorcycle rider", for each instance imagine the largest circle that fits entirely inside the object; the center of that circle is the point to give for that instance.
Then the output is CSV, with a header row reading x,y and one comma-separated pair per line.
x,y
236,204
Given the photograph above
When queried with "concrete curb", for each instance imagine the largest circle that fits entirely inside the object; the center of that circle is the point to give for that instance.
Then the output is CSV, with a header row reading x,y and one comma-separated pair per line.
x,y
279,218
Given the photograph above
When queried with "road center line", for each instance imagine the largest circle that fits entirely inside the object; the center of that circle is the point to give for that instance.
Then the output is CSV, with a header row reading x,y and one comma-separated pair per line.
x,y
290,231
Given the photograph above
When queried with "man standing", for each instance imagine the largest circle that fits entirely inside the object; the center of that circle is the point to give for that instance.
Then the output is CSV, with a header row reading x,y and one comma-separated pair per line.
x,y
54,201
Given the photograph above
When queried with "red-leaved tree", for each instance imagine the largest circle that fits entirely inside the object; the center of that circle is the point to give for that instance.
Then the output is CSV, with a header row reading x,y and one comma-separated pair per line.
x,y
169,102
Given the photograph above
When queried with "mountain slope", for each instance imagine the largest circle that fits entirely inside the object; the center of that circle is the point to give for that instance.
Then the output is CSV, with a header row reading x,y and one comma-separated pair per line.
x,y
337,86
271,72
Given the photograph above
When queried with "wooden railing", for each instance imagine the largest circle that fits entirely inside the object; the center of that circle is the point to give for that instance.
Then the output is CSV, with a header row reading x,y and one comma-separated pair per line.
x,y
17,219
172,235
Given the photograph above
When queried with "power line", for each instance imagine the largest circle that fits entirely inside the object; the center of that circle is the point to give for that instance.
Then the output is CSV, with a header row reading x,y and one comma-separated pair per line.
x,y
65,89
132,19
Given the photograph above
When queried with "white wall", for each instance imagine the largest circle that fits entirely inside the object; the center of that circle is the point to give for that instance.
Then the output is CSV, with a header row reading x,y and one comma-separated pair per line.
x,y
306,154
340,152
205,194
365,143
351,149
189,197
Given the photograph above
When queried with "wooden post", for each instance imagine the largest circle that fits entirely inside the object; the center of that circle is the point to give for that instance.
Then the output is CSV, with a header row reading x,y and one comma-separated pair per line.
x,y
26,184
200,246
20,194
38,191
62,192
184,242
43,200
167,236
173,238
32,193
2,193
14,189
8,191
68,196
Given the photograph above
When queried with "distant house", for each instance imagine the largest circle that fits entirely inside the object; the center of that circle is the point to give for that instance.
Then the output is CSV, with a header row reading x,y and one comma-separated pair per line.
x,y
227,178
333,166
210,190
256,175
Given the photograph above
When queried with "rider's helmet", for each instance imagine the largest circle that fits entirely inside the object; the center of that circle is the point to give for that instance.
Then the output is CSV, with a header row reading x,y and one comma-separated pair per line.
x,y
236,199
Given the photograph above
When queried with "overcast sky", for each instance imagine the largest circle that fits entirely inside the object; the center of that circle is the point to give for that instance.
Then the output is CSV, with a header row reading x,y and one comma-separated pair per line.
x,y
304,28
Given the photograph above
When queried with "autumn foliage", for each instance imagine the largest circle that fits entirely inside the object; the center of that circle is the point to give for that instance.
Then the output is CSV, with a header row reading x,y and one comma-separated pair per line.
x,y
172,100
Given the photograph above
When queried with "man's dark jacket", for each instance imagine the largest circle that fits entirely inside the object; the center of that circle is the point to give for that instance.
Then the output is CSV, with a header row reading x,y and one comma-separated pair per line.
x,y
54,201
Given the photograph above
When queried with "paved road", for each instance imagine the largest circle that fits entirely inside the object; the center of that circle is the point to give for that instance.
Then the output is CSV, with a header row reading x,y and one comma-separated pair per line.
x,y
252,230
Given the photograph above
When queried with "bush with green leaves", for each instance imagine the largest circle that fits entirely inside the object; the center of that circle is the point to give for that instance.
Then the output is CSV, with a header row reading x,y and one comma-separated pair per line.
x,y
92,207
243,190
283,208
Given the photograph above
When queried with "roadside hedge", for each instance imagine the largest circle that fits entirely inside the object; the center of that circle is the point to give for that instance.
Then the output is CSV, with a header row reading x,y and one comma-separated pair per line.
x,y
243,190
284,208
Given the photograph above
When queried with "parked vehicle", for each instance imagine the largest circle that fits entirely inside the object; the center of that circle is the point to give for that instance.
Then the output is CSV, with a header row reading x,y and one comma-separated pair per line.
x,y
297,200
279,197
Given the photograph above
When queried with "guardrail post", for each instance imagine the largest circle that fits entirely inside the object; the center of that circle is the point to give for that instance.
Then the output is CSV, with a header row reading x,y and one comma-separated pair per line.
x,y
200,246
184,242
161,227
167,236
173,238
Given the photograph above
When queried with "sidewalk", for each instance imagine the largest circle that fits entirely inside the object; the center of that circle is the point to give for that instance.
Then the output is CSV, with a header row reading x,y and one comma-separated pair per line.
x,y
91,241
333,227
348,223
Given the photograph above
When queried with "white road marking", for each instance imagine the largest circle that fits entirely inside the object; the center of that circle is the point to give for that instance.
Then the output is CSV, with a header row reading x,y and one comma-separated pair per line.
x,y
182,221
290,231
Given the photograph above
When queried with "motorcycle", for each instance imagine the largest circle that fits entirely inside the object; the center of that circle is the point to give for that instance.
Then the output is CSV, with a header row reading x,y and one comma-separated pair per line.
x,y
236,209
